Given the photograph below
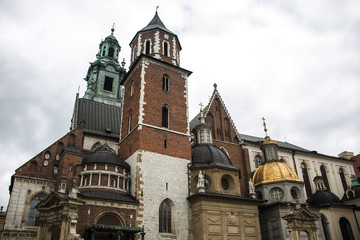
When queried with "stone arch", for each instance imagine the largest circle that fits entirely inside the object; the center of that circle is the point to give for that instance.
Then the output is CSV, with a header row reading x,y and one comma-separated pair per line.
x,y
109,218
31,214
346,230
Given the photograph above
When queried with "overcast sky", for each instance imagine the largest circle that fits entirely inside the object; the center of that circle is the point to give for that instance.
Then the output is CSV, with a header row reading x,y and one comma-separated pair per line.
x,y
297,63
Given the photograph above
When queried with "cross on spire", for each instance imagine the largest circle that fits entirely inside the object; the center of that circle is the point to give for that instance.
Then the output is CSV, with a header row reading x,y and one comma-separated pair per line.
x,y
264,124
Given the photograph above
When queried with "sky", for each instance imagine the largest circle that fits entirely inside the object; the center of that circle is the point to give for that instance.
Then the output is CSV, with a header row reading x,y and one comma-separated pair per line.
x,y
296,63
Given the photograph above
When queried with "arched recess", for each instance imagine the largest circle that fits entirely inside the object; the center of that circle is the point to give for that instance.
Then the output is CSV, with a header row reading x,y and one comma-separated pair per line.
x,y
225,151
72,139
109,218
325,177
227,129
346,230
166,218
33,213
306,179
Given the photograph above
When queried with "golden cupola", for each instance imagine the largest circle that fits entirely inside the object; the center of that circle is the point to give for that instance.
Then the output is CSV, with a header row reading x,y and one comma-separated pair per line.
x,y
273,169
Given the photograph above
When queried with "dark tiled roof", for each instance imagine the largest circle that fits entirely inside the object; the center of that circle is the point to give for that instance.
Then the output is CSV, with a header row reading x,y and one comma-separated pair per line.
x,y
156,23
105,155
100,118
207,156
286,145
323,197
109,196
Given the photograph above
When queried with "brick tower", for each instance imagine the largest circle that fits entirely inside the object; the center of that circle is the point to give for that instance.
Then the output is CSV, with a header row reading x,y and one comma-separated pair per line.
x,y
155,136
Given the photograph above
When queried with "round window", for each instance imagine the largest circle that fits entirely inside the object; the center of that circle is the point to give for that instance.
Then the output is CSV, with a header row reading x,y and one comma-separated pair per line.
x,y
224,183
276,194
294,193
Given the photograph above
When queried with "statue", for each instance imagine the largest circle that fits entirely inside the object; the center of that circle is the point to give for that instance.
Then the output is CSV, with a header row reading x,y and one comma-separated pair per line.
x,y
201,182
251,189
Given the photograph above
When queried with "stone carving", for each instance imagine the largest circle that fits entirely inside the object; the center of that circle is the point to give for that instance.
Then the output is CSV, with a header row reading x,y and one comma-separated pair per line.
x,y
251,189
232,218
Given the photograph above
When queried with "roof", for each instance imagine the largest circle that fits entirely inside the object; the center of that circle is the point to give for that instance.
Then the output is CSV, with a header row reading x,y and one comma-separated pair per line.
x,y
208,156
109,195
323,197
105,155
96,118
274,171
156,23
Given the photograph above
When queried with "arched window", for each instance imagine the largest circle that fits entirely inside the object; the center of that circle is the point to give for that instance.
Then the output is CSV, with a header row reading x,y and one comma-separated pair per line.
x,y
130,118
111,52
165,48
165,117
104,50
147,47
343,180
258,161
306,180
165,83
324,175
346,230
33,219
165,217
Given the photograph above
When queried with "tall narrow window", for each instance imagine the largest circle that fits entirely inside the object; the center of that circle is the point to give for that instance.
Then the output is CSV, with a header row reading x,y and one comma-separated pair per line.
x,y
165,116
33,219
324,175
132,88
108,83
201,136
346,230
258,161
165,83
343,180
325,225
104,50
165,48
147,47
111,52
208,136
306,180
165,217
130,116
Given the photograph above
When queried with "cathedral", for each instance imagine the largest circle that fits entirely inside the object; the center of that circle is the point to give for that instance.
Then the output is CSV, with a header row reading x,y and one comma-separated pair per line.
x,y
134,166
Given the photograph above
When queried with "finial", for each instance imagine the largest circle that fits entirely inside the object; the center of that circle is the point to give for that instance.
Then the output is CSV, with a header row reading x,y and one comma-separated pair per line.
x,y
113,29
156,9
123,62
201,110
265,129
215,86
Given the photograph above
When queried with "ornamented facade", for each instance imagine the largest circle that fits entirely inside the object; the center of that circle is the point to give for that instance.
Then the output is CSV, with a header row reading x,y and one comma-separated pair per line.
x,y
134,166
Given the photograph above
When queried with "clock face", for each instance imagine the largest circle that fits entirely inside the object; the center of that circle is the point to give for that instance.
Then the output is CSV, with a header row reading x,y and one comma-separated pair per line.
x,y
47,156
46,162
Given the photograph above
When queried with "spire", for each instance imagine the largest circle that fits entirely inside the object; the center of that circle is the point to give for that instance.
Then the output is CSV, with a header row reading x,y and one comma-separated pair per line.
x,y
113,29
156,23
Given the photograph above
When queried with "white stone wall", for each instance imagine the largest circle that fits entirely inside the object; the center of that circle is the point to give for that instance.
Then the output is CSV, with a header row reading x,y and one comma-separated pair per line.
x,y
24,189
90,140
157,171
313,163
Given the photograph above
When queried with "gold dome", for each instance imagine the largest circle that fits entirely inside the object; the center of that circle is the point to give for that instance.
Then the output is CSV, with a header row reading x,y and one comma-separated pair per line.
x,y
274,172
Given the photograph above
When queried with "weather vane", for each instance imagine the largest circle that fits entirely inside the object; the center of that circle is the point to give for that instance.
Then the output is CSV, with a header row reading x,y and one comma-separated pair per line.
x,y
265,129
156,8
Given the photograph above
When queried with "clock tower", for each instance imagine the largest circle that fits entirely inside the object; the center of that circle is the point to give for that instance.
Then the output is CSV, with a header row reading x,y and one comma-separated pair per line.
x,y
155,135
